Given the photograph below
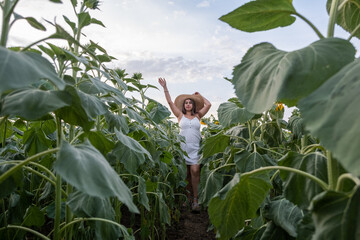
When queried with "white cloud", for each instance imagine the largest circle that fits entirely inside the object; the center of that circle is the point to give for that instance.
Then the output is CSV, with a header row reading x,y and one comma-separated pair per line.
x,y
203,4
175,69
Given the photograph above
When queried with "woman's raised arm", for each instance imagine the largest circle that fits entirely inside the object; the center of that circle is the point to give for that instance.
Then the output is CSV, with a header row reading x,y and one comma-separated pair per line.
x,y
206,107
174,109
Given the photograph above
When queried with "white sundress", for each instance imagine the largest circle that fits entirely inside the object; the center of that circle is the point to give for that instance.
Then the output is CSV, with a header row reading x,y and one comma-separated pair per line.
x,y
190,129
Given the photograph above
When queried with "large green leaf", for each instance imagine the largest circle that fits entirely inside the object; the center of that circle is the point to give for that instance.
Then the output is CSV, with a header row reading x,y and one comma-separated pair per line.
x,y
20,69
84,205
244,195
157,111
32,104
35,141
313,163
34,217
142,197
267,75
336,215
230,113
331,113
130,152
261,15
284,214
351,220
99,140
273,232
211,182
116,121
83,109
85,168
348,16
215,144
246,161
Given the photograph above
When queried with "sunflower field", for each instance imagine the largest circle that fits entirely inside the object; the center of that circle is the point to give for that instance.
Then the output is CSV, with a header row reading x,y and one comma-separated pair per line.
x,y
80,159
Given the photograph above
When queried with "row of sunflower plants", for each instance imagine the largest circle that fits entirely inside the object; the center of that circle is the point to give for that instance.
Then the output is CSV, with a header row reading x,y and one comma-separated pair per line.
x,y
78,158
267,178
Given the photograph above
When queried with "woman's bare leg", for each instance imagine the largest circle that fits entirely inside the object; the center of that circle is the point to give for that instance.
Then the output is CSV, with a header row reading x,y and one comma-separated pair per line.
x,y
195,180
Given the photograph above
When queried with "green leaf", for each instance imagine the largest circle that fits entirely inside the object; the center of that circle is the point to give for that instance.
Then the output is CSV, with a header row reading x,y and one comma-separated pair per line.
x,y
261,15
330,112
83,109
313,163
32,104
157,111
35,141
142,197
34,217
245,195
84,20
211,182
230,113
95,21
6,129
348,16
21,69
351,219
329,211
163,210
35,24
215,144
249,233
116,121
296,126
284,214
130,152
99,141
246,161
70,23
306,227
267,75
11,183
83,205
85,168
273,232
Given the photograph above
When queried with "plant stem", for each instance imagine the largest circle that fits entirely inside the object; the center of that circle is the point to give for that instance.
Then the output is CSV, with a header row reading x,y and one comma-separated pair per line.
x,y
29,159
303,143
250,131
333,16
333,170
8,9
4,138
26,229
310,24
345,176
305,174
58,187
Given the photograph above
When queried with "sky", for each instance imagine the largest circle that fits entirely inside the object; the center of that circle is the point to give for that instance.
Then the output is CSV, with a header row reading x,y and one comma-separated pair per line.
x,y
181,40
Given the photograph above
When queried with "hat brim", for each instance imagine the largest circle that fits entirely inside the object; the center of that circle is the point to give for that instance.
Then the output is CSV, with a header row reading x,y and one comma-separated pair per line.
x,y
199,101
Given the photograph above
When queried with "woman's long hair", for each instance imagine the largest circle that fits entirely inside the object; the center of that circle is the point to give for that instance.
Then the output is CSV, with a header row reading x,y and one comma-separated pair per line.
x,y
193,110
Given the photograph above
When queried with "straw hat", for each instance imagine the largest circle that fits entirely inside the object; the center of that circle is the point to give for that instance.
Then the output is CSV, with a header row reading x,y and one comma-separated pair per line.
x,y
198,99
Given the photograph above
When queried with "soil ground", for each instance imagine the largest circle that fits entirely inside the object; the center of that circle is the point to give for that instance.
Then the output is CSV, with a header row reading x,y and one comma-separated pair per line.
x,y
191,226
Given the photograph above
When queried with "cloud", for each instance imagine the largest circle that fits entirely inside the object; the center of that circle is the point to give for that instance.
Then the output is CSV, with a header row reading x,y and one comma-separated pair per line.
x,y
175,69
203,4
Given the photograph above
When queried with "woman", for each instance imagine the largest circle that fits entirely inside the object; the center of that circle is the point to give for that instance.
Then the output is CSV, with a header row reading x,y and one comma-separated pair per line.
x,y
189,109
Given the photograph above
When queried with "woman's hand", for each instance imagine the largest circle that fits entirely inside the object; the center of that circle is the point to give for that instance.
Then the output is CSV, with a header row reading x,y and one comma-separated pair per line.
x,y
162,82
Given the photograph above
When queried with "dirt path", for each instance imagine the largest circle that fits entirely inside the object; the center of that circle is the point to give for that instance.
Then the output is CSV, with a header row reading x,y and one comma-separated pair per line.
x,y
191,226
